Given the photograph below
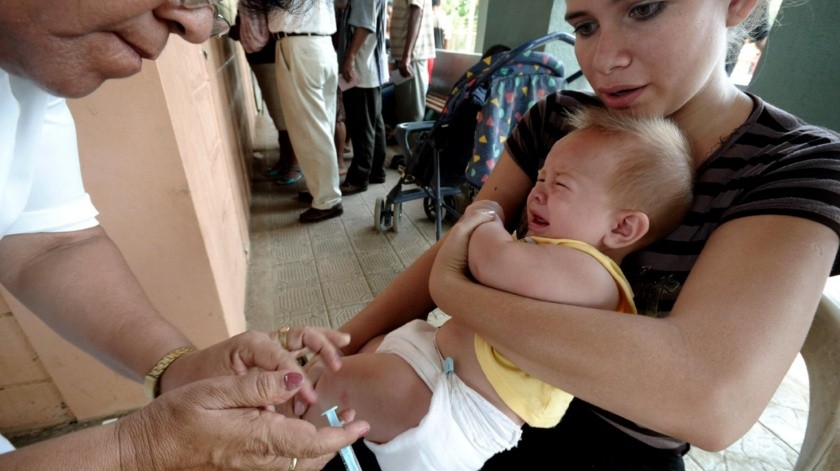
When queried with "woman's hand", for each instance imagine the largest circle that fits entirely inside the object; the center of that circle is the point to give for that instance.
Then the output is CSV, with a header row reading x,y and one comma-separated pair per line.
x,y
313,370
253,350
486,206
450,264
325,344
220,423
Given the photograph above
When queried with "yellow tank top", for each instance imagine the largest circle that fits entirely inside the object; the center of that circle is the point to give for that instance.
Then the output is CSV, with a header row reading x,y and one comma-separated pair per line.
x,y
537,403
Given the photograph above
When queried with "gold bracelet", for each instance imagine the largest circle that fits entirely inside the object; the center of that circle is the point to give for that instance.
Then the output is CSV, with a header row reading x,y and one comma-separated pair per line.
x,y
151,383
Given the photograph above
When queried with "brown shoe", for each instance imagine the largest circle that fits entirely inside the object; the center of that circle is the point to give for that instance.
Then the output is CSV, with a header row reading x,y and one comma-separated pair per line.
x,y
316,215
351,189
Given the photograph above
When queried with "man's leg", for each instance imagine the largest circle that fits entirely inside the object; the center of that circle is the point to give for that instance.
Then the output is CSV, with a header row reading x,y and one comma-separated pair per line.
x,y
360,126
286,167
410,96
341,136
307,81
377,172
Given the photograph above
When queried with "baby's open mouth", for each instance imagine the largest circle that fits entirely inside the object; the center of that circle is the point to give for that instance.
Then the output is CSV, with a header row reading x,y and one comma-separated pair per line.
x,y
538,221
623,92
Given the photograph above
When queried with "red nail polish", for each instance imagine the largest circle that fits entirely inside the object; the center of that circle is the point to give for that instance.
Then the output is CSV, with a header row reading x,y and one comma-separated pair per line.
x,y
292,381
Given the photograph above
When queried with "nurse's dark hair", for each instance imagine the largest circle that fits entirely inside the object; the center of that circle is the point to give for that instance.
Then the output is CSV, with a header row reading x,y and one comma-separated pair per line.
x,y
265,6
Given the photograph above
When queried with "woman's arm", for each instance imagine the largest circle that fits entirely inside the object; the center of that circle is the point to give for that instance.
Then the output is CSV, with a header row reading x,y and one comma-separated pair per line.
x,y
703,374
217,423
407,297
80,285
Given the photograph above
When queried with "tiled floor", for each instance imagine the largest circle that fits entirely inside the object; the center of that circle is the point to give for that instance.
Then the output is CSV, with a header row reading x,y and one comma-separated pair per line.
x,y
323,274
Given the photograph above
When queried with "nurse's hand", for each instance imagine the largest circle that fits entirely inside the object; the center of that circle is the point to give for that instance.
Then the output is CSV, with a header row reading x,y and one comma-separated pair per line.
x,y
220,423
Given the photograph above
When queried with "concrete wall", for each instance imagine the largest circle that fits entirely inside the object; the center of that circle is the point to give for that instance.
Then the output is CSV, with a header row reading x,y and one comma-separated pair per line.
x,y
513,23
164,159
801,65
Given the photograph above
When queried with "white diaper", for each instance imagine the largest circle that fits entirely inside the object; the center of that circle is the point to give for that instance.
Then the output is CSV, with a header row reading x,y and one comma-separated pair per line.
x,y
461,431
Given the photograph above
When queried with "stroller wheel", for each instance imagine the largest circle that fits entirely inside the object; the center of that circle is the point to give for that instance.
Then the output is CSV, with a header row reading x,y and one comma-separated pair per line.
x,y
429,208
383,216
395,225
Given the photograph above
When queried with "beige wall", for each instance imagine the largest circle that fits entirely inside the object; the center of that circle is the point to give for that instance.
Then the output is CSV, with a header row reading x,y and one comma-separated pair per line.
x,y
164,160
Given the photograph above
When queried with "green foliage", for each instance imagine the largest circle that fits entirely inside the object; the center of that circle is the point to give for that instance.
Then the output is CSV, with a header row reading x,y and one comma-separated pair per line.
x,y
456,8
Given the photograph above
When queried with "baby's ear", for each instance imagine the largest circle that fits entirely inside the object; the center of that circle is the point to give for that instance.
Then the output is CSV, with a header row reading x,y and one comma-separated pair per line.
x,y
630,226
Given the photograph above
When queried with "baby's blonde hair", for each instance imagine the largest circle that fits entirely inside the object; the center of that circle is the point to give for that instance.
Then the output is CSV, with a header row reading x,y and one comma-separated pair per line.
x,y
656,176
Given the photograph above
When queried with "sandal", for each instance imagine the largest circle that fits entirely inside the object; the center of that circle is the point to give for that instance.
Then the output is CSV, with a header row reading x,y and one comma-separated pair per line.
x,y
289,179
276,171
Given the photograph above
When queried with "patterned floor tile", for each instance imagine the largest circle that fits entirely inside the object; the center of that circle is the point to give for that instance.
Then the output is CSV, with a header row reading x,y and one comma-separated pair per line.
x,y
342,292
299,300
339,267
377,261
296,251
293,274
331,247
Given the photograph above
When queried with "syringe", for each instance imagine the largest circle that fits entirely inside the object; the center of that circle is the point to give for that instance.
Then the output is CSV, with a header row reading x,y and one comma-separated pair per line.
x,y
351,463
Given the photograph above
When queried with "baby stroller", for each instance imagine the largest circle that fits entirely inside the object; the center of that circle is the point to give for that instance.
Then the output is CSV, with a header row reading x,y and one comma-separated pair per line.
x,y
454,154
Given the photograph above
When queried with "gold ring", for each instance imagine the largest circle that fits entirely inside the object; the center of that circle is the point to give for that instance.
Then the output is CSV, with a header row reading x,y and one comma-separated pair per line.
x,y
293,465
282,333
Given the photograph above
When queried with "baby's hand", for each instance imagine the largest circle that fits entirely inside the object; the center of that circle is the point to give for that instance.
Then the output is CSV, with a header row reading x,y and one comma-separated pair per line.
x,y
486,206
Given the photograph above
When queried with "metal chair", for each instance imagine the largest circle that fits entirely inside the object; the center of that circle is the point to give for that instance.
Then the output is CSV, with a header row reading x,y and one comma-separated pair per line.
x,y
821,351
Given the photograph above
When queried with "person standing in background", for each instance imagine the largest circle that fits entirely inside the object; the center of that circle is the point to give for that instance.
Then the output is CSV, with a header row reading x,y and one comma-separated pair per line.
x,y
286,171
389,9
342,137
307,79
412,45
442,26
364,63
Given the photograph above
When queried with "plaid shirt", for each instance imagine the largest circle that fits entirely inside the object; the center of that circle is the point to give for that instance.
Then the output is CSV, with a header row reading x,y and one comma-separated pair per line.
x,y
424,47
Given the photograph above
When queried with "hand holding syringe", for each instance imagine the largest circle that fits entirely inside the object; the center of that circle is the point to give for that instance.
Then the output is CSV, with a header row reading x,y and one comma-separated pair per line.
x,y
351,463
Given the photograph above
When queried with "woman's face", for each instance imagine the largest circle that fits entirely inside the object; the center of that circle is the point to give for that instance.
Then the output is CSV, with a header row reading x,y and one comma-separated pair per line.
x,y
69,47
650,56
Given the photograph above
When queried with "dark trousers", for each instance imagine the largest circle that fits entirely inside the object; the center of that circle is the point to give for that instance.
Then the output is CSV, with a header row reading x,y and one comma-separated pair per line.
x,y
582,440
363,108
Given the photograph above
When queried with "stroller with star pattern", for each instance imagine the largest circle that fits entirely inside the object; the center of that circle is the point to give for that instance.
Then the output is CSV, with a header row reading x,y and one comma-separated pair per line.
x,y
452,156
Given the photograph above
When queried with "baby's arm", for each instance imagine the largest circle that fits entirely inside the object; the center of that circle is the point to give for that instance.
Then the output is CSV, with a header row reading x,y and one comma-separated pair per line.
x,y
539,271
